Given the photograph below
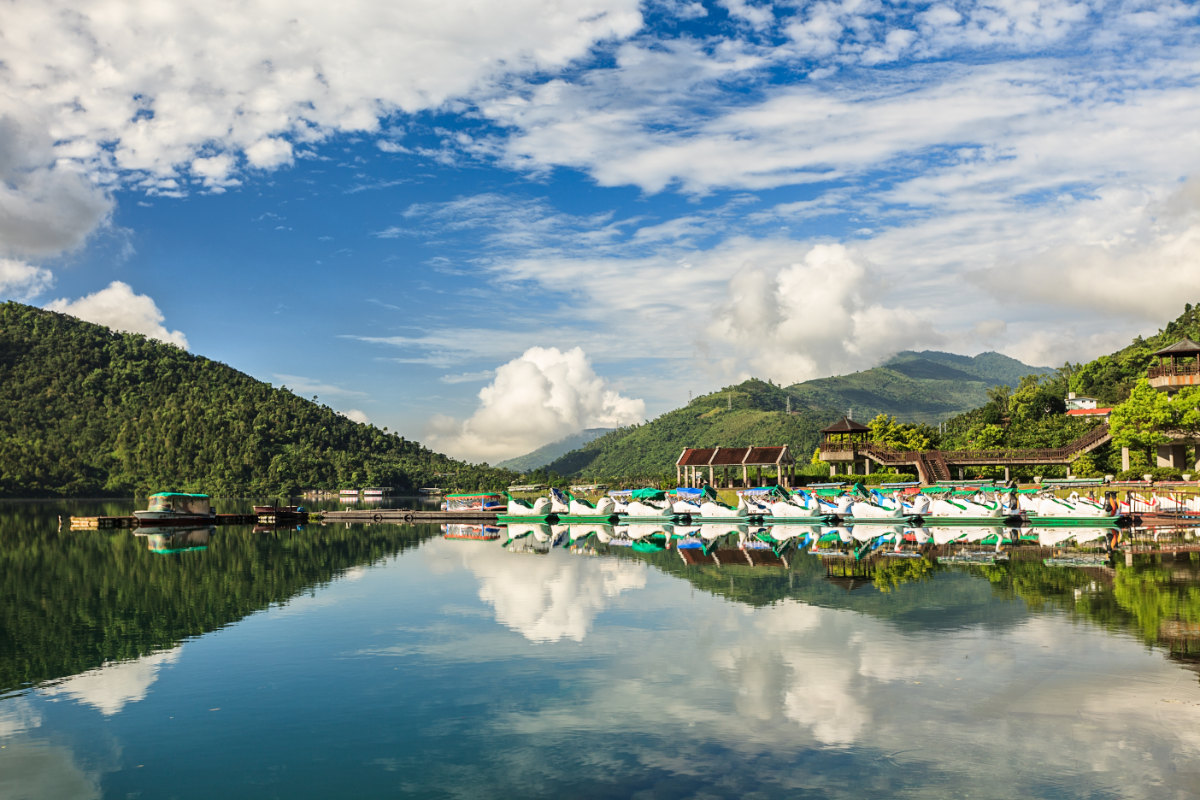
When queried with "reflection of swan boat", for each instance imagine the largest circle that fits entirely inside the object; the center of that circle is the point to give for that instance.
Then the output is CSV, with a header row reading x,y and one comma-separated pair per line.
x,y
481,533
534,538
1084,560
973,557
175,540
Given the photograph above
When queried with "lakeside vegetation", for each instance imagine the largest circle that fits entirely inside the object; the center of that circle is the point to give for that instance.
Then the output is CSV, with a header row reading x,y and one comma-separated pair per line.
x,y
114,600
1015,407
87,412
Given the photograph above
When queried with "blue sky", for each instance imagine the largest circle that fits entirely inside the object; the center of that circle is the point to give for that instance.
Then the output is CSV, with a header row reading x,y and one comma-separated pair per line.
x,y
487,225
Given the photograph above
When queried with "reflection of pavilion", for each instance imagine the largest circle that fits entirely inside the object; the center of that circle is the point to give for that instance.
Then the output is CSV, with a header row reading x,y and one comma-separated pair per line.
x,y
732,556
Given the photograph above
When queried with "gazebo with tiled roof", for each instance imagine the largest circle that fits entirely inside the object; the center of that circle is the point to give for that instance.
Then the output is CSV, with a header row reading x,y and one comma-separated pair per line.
x,y
1178,366
694,462
841,442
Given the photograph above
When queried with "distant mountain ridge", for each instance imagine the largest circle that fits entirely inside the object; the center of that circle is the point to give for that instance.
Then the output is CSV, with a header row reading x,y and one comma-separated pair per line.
x,y
927,387
548,452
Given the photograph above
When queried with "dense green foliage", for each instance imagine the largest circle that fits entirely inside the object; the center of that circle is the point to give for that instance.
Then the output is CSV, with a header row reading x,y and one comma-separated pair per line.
x,y
751,413
916,387
926,386
549,452
85,411
76,600
1111,378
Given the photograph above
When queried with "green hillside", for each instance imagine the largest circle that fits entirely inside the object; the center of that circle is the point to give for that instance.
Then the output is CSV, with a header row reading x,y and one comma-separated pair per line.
x,y
924,387
750,413
547,453
1110,378
914,387
85,411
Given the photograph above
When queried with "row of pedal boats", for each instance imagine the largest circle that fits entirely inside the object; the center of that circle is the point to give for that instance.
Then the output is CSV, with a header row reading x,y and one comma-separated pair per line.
x,y
980,507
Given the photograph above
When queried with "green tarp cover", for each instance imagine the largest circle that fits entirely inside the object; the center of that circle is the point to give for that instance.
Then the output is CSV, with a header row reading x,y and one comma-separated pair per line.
x,y
648,494
829,492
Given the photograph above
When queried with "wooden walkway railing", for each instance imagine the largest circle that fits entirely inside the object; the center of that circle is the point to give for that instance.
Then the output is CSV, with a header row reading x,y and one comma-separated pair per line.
x,y
935,465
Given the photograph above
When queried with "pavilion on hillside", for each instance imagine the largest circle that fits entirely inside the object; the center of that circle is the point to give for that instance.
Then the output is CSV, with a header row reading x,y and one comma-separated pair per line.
x,y
699,465
841,443
1178,366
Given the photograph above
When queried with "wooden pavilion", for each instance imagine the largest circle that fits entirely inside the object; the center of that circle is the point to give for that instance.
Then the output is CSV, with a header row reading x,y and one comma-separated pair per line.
x,y
1178,366
722,465
842,442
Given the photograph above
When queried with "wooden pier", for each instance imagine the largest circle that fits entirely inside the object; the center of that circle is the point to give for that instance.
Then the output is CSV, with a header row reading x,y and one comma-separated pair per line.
x,y
96,523
402,515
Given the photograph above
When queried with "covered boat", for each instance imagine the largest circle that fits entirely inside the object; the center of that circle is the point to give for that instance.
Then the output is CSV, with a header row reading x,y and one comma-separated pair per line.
x,y
475,501
177,508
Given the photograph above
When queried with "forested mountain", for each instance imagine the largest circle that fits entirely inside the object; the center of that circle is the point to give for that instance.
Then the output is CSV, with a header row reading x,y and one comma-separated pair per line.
x,y
921,387
926,386
547,453
1110,378
85,411
751,413
1032,415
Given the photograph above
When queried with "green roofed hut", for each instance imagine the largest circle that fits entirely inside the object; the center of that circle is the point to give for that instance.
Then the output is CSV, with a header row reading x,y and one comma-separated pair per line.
x,y
719,466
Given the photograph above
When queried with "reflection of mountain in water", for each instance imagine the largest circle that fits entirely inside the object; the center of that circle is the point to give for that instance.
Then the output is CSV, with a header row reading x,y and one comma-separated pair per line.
x,y
76,601
1155,594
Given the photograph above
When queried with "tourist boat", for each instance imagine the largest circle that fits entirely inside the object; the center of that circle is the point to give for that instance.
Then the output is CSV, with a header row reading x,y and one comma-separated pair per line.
x,y
176,508
348,492
286,514
474,501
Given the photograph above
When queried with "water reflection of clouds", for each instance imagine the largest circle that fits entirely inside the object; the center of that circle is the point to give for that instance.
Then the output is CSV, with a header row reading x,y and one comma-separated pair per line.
x,y
549,597
111,687
986,713
35,768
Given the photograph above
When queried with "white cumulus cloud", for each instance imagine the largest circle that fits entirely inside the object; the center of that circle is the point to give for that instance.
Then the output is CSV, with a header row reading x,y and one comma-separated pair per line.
x,y
821,315
119,308
540,397
22,281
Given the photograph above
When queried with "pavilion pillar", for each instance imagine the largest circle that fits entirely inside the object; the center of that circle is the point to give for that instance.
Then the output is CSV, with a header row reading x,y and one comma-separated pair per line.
x,y
678,475
1007,475
1124,459
745,476
1171,455
712,480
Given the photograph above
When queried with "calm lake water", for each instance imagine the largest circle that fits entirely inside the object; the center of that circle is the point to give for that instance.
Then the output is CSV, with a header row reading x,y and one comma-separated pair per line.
x,y
388,660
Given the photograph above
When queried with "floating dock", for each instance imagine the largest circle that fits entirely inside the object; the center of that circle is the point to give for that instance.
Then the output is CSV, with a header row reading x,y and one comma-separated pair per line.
x,y
399,515
96,523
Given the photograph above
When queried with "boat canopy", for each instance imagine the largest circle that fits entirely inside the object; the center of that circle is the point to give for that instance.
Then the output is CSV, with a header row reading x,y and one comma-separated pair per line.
x,y
181,502
759,491
648,494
